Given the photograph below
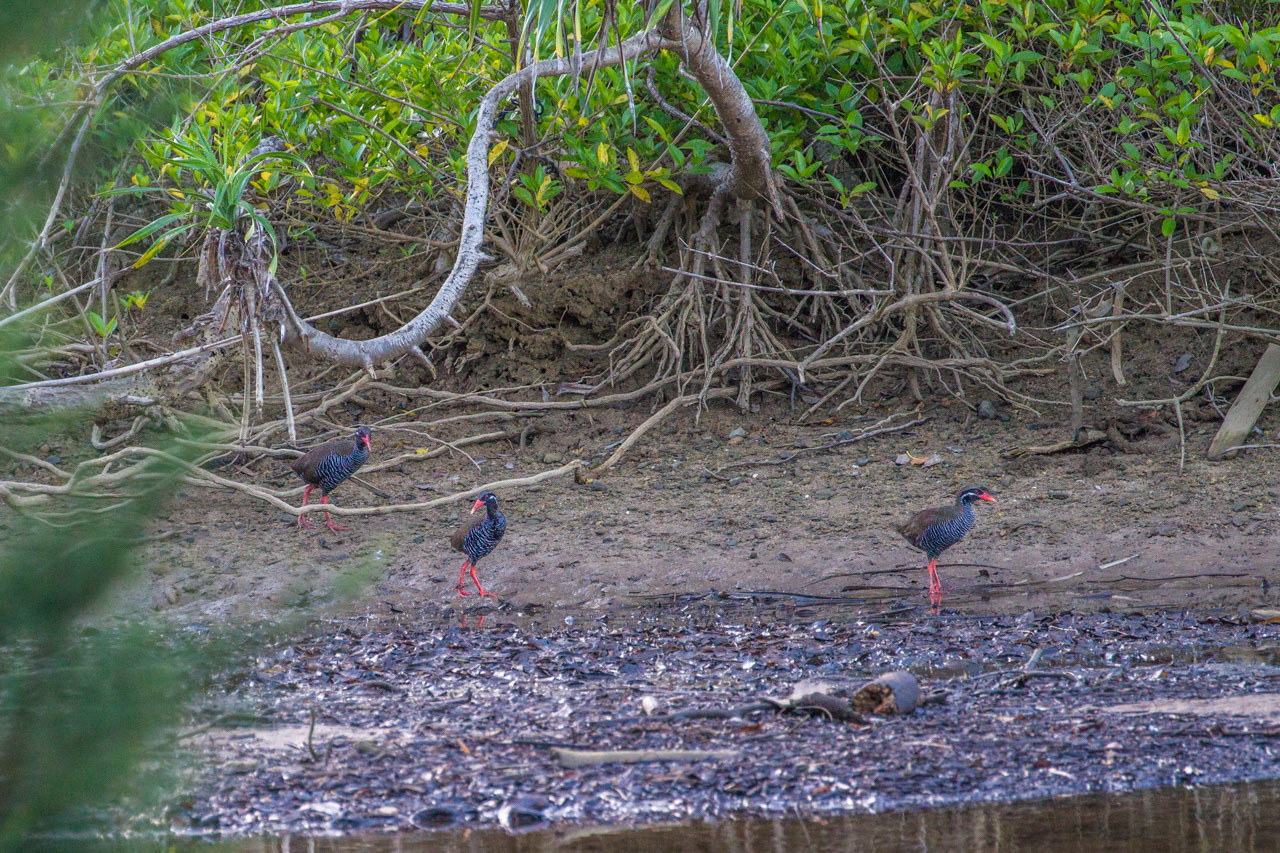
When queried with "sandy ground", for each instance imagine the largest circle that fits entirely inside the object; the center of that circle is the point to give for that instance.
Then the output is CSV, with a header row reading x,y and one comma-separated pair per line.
x,y
822,524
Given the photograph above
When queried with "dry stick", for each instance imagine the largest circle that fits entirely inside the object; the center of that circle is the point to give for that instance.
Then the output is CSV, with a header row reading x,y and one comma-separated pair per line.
x,y
582,758
652,421
284,388
52,300
1117,310
200,475
790,456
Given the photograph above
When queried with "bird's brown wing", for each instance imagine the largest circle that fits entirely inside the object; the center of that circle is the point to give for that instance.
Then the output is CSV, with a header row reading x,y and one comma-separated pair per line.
x,y
915,526
460,535
306,465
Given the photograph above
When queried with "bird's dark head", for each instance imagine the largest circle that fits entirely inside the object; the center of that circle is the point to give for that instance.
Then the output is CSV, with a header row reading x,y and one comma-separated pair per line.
x,y
362,436
974,493
486,499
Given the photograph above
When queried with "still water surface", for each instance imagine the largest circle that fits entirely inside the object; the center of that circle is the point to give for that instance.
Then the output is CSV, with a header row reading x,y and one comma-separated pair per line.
x,y
1232,818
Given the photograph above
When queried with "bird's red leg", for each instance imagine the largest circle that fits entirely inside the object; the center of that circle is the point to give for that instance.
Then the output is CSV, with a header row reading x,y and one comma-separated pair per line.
x,y
935,585
302,519
484,593
328,520
462,574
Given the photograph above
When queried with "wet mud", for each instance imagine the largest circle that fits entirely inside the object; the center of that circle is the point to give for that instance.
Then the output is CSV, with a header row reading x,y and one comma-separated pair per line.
x,y
430,725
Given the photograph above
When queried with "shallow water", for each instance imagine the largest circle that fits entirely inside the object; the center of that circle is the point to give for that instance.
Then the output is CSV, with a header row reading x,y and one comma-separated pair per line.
x,y
1244,817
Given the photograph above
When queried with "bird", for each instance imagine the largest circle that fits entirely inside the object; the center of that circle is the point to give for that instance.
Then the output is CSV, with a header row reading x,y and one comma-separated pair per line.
x,y
936,529
327,466
477,536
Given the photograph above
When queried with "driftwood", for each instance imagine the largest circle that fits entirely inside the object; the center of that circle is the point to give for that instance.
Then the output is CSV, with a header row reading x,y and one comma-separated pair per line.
x,y
583,758
1250,402
1085,438
892,693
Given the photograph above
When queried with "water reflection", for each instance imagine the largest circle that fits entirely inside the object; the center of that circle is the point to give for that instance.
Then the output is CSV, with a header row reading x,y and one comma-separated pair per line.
x,y
1229,817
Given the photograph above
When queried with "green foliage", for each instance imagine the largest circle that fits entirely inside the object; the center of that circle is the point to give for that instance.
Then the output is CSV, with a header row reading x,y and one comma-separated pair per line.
x,y
537,189
78,708
385,102
103,327
210,186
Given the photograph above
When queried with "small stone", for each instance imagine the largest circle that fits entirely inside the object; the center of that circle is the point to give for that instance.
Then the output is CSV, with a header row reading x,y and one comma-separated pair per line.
x,y
738,432
53,460
1004,417
1092,393
987,410
510,466
823,495
553,457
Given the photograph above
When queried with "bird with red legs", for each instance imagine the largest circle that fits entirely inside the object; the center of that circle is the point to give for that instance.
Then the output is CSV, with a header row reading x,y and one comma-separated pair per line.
x,y
477,537
327,466
936,529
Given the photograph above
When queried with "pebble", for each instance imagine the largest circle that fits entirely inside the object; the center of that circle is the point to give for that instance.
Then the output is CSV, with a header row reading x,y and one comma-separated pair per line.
x,y
987,410
552,457
738,432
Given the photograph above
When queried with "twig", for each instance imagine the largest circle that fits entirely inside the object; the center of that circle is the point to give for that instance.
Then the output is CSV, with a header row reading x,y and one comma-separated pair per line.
x,y
788,457
583,758
284,389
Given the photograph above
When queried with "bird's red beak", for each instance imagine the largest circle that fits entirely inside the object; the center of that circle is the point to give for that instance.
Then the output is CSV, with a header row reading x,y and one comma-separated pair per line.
x,y
478,505
987,497
368,442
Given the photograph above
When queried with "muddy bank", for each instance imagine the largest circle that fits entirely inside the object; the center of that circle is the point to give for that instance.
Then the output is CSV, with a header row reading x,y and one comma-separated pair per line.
x,y
437,725
721,503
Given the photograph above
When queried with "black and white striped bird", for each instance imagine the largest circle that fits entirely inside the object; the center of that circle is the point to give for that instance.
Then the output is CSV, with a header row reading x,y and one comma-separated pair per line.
x,y
477,537
327,466
936,529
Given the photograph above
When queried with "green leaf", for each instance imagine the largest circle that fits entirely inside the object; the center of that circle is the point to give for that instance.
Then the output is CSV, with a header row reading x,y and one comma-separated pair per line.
x,y
1168,226
1184,132
149,229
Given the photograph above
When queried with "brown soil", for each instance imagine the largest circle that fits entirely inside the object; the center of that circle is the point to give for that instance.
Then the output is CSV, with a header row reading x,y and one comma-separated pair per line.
x,y
820,525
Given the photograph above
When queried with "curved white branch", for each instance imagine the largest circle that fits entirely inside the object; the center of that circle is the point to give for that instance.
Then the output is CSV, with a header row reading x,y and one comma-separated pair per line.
x,y
374,351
